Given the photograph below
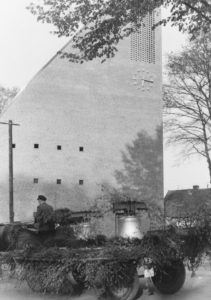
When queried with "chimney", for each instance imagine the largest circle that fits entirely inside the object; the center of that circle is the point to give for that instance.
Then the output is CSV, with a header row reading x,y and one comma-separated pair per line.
x,y
195,187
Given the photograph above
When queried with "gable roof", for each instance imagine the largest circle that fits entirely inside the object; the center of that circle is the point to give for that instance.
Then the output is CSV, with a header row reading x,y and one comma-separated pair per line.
x,y
181,203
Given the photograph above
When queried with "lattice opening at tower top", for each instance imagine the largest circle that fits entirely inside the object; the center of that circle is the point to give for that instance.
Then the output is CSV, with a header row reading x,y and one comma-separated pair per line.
x,y
142,46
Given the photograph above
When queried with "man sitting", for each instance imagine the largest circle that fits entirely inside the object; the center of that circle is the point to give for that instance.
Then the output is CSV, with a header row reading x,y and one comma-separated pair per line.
x,y
44,216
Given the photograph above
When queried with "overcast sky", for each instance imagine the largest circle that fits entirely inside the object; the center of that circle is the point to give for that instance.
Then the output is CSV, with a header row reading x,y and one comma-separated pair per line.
x,y
27,45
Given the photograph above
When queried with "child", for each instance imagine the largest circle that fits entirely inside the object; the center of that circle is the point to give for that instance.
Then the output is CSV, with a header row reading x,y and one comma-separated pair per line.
x,y
148,274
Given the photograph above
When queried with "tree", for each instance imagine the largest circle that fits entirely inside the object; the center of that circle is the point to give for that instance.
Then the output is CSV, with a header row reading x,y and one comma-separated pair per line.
x,y
187,99
191,16
97,26
142,175
195,223
6,94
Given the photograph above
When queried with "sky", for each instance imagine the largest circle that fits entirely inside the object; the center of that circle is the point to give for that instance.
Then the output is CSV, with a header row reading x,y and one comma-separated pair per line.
x,y
27,45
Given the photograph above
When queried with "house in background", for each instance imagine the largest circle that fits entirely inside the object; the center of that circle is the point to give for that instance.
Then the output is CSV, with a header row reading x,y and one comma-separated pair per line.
x,y
181,207
75,121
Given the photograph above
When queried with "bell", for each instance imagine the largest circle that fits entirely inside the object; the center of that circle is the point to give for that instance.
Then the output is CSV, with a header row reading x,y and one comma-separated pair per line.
x,y
128,227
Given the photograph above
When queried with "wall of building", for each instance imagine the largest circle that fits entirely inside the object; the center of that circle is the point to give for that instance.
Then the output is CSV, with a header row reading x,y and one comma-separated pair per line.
x,y
91,111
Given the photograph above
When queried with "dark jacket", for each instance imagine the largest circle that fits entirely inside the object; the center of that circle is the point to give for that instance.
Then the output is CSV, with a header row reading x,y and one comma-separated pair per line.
x,y
44,217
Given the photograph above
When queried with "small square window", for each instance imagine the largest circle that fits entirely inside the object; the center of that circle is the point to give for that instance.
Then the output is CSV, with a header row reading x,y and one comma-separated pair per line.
x,y
13,145
59,147
58,181
36,180
36,146
81,149
81,182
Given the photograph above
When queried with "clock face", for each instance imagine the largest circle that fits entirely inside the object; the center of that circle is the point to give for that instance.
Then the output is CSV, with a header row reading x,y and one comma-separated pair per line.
x,y
143,80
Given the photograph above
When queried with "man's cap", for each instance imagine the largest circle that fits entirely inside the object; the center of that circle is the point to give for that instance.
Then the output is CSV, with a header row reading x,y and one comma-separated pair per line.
x,y
41,197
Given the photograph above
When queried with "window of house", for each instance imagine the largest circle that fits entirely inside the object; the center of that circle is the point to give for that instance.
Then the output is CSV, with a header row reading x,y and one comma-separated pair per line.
x,y
81,182
81,149
36,146
58,181
59,147
13,145
36,180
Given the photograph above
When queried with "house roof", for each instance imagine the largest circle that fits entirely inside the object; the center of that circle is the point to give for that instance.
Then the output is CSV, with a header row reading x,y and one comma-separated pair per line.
x,y
181,203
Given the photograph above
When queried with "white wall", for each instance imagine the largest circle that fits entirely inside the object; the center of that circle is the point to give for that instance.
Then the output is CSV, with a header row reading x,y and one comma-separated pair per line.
x,y
93,105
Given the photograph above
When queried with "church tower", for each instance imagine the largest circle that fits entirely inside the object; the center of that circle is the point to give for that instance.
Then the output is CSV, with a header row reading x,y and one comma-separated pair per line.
x,y
75,121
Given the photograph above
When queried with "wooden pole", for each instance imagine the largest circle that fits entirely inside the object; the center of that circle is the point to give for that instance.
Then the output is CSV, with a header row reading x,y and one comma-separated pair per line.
x,y
11,200
11,192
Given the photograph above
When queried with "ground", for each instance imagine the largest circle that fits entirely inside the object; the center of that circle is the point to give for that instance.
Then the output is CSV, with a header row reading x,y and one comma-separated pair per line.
x,y
196,288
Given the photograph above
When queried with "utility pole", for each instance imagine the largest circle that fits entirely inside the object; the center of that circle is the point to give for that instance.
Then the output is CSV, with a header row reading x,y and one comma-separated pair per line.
x,y
11,198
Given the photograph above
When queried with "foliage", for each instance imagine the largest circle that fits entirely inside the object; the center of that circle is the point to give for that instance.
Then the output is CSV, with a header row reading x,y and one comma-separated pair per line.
x,y
10,236
196,244
191,16
104,267
112,264
120,249
110,274
196,239
49,268
6,94
62,216
98,26
187,99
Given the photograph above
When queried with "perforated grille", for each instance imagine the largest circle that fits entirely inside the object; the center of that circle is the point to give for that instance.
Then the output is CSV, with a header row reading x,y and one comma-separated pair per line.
x,y
143,41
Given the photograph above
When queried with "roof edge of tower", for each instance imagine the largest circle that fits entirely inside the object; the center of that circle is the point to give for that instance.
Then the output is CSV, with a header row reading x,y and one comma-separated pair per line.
x,y
33,77
49,61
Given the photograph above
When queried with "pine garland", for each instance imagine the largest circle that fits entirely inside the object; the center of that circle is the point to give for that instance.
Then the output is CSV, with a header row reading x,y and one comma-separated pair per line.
x,y
103,263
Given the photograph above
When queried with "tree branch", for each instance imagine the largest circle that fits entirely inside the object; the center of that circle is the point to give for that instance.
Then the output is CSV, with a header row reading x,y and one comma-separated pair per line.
x,y
198,11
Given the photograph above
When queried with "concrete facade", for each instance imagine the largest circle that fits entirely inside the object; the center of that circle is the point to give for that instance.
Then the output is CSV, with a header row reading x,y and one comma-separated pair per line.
x,y
81,116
